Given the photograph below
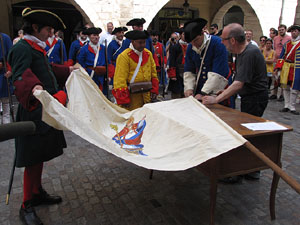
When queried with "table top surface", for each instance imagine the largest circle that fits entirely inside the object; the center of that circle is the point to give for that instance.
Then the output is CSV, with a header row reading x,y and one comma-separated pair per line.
x,y
235,118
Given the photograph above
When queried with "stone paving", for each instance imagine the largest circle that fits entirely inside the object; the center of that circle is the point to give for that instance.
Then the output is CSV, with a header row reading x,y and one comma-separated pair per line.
x,y
99,188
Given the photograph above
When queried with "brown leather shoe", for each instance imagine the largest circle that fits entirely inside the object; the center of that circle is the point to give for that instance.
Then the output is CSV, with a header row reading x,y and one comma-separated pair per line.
x,y
43,198
28,216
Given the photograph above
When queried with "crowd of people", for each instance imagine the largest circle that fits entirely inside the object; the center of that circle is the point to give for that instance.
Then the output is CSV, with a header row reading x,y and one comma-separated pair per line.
x,y
194,62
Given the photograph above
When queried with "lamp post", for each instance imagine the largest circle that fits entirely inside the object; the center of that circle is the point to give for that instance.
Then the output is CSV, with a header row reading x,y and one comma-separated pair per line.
x,y
186,6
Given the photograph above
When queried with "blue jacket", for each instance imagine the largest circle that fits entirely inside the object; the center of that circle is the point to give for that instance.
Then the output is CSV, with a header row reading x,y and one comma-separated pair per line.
x,y
86,59
216,60
74,50
55,56
3,83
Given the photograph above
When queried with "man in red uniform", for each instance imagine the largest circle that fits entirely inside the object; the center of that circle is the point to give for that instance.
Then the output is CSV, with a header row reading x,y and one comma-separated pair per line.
x,y
290,72
160,52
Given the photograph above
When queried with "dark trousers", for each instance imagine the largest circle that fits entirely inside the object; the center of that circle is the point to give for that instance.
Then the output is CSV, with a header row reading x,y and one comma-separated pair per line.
x,y
255,104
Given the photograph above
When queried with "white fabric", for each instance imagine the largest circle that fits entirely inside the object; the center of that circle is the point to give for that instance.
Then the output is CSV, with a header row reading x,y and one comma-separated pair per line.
x,y
50,40
96,49
40,43
179,134
206,40
214,83
136,51
106,36
189,81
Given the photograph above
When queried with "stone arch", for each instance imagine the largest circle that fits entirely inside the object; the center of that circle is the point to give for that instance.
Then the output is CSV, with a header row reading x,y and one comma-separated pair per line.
x,y
120,11
251,20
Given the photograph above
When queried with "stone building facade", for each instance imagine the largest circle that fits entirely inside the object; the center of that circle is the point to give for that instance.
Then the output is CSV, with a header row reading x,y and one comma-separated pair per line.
x,y
257,15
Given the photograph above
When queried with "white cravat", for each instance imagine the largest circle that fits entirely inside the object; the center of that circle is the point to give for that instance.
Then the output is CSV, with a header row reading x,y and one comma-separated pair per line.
x,y
117,40
40,43
136,51
51,39
205,41
95,47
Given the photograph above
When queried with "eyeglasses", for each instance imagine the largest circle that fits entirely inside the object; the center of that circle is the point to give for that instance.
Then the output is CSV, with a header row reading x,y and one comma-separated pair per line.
x,y
263,40
225,39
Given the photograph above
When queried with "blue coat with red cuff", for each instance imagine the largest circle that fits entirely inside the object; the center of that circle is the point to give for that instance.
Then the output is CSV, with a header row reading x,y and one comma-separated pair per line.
x,y
86,60
74,51
31,67
59,51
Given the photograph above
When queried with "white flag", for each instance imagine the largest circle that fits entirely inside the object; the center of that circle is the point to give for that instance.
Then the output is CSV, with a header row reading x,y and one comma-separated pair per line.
x,y
170,135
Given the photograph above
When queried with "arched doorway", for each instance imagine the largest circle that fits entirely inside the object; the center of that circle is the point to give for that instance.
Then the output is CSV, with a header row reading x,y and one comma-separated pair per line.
x,y
234,15
169,19
68,13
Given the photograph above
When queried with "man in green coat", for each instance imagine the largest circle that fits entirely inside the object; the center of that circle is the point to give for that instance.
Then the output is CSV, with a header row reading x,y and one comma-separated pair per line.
x,y
31,71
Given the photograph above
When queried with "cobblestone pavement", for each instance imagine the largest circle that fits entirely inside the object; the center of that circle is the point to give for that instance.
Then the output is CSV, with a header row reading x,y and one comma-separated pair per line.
x,y
99,188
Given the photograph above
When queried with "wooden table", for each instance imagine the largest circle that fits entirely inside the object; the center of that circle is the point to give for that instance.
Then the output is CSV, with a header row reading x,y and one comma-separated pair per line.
x,y
241,160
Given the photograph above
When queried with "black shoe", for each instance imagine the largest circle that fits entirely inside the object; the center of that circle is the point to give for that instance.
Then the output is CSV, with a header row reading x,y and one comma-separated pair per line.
x,y
284,110
28,216
295,112
43,198
252,176
272,97
280,99
232,180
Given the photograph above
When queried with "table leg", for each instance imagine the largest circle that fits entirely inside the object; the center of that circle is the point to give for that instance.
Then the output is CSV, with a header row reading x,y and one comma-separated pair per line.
x,y
274,186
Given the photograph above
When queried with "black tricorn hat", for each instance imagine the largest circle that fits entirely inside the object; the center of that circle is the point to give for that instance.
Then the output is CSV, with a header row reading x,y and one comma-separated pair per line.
x,y
154,33
79,29
92,30
137,35
193,28
293,27
119,29
43,17
136,22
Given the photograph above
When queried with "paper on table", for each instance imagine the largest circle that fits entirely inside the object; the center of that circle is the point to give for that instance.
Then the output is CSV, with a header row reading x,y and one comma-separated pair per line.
x,y
264,126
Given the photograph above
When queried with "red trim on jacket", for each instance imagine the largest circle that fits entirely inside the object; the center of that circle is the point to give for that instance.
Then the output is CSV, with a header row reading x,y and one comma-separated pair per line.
x,y
135,57
36,46
111,70
92,50
53,43
172,72
61,96
155,85
122,95
23,89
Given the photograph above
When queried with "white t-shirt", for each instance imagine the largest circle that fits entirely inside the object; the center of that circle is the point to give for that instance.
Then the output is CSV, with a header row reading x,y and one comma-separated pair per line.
x,y
106,36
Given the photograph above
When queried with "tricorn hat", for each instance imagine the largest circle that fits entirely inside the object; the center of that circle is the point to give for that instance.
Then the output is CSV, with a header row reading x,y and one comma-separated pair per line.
x,y
43,17
79,29
154,33
193,28
92,30
137,35
293,27
119,29
136,22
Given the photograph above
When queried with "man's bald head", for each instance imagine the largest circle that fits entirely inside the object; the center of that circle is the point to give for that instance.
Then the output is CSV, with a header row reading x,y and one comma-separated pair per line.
x,y
236,31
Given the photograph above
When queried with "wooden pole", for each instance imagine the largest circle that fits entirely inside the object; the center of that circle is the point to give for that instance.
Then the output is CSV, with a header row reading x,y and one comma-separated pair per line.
x,y
289,180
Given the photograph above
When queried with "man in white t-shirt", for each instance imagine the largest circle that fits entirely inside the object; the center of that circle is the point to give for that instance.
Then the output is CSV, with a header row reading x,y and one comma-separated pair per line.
x,y
108,35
